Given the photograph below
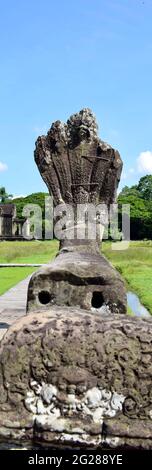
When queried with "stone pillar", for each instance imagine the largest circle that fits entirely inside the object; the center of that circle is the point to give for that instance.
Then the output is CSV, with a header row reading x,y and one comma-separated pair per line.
x,y
26,229
20,228
14,229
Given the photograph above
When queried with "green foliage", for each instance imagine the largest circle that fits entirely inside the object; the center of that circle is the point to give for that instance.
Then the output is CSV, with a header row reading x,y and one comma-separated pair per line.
x,y
126,191
4,196
35,198
140,199
145,187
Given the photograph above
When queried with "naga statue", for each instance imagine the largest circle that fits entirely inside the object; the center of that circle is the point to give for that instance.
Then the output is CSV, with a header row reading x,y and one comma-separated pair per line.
x,y
75,372
80,171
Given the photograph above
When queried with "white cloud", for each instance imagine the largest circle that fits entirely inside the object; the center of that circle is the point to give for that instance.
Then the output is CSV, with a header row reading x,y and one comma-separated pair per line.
x,y
144,162
3,167
16,196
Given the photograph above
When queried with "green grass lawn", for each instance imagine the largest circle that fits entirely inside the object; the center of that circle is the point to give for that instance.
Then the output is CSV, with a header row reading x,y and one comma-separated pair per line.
x,y
23,252
9,277
28,252
135,265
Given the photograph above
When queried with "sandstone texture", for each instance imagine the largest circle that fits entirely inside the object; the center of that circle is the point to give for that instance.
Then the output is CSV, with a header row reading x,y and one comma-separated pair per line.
x,y
78,279
78,168
76,165
73,378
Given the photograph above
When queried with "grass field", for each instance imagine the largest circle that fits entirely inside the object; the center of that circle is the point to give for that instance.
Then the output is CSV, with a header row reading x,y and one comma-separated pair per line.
x,y
28,252
135,265
23,252
9,277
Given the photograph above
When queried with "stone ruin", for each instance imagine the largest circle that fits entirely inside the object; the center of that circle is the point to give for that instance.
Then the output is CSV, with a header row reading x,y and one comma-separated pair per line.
x,y
76,370
11,226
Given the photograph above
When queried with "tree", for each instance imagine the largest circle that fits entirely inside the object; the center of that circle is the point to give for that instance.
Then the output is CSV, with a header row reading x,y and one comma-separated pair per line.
x,y
133,191
35,198
140,216
144,187
4,196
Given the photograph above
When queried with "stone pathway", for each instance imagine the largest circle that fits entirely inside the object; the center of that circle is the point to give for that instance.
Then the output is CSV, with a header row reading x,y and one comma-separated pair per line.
x,y
13,305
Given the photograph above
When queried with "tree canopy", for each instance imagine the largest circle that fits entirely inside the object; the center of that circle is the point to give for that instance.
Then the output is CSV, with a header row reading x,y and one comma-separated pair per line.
x,y
140,199
144,187
34,198
4,196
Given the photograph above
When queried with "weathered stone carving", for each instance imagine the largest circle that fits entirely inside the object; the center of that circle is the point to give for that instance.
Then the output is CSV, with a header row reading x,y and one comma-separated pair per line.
x,y
78,168
80,279
74,372
77,378
75,164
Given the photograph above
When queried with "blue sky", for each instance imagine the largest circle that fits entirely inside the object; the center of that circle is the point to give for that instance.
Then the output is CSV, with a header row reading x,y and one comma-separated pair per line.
x,y
58,57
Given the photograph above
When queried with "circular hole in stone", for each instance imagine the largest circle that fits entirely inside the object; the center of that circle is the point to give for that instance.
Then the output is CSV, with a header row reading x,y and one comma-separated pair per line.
x,y
97,299
44,297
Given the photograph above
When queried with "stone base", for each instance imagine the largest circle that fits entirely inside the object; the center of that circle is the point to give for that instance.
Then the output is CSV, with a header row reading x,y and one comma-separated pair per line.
x,y
70,378
78,279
